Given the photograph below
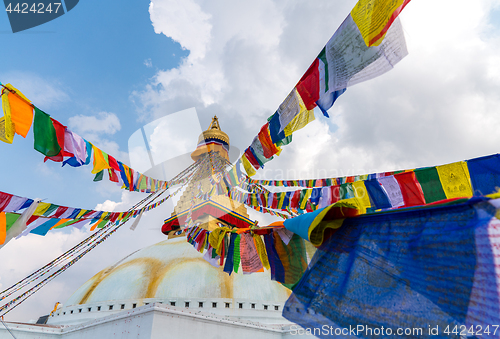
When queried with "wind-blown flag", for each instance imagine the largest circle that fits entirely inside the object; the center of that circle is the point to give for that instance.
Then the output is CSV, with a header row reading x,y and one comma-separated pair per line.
x,y
60,133
19,108
45,137
433,268
374,17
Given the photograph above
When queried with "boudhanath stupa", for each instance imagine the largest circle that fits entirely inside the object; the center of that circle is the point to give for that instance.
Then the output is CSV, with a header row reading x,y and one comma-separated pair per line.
x,y
168,290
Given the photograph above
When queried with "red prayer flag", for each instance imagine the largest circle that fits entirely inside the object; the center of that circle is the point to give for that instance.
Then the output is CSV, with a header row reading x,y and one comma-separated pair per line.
x,y
335,191
4,200
268,146
112,175
60,210
308,85
113,163
60,131
251,158
294,203
410,188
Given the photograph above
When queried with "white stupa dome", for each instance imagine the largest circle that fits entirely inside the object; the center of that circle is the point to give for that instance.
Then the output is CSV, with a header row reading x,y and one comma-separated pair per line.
x,y
172,272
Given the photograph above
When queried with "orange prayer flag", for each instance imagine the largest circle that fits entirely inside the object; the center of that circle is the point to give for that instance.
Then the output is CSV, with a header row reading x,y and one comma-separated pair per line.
x,y
3,227
20,110
60,222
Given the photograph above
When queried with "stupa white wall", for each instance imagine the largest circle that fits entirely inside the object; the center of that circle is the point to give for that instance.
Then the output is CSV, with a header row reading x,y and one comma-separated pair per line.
x,y
167,288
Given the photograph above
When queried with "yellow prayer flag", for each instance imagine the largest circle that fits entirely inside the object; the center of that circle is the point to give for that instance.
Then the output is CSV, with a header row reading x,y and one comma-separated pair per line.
x,y
316,231
82,212
6,126
455,179
372,16
301,120
361,193
19,109
41,208
216,237
261,251
303,203
100,162
248,166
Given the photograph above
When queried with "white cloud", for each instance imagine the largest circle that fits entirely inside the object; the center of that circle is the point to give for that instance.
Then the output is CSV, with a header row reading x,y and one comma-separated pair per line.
x,y
183,21
128,199
103,123
437,106
45,93
148,63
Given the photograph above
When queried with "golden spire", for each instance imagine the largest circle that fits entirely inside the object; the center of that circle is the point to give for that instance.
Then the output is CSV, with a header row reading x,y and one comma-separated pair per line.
x,y
214,132
215,123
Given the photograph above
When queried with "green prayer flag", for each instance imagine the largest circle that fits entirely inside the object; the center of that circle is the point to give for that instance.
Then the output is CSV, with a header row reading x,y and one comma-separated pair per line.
x,y
143,184
293,258
67,223
236,254
11,218
102,223
284,141
45,134
430,183
99,176
49,210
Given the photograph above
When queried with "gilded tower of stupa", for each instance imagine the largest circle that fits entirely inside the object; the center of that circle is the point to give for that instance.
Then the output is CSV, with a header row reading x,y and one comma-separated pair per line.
x,y
206,193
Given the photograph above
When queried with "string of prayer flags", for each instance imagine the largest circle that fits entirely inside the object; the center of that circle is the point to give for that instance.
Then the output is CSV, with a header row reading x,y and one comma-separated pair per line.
x,y
41,217
444,272
378,191
59,144
33,282
230,248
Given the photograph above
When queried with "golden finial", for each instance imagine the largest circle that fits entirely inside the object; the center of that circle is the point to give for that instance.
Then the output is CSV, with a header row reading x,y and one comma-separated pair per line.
x,y
215,123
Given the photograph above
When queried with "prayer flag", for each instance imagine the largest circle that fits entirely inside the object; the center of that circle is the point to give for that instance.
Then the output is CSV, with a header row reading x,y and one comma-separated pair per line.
x,y
288,109
415,269
76,145
455,180
4,200
45,137
6,125
300,121
410,189
60,133
374,17
3,227
430,183
19,108
100,160
248,167
269,148
485,174
308,86
350,61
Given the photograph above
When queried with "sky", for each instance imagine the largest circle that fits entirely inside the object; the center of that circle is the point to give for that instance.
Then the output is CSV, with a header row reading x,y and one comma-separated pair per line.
x,y
105,69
